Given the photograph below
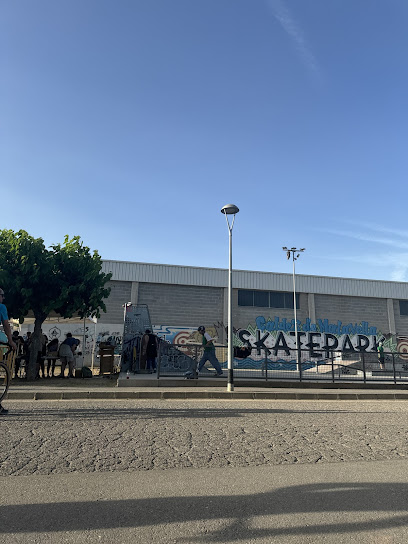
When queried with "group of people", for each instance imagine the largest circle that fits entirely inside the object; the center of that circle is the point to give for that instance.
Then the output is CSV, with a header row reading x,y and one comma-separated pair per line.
x,y
48,351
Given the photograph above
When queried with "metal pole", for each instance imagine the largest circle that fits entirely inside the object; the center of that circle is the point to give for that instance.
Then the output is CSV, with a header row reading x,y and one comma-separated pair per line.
x,y
394,369
84,346
299,364
292,251
230,209
230,386
93,348
266,365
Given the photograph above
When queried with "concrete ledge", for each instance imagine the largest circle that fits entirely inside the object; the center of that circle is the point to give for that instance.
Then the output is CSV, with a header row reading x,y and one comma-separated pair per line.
x,y
303,396
327,396
149,394
199,393
48,395
220,395
241,395
347,396
127,395
173,394
73,395
21,395
285,395
374,396
266,395
102,394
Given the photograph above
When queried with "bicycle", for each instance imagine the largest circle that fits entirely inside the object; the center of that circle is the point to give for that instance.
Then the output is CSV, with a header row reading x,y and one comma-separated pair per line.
x,y
6,367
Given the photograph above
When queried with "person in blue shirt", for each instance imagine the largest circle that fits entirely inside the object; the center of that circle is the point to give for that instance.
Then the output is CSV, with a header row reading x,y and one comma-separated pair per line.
x,y
7,331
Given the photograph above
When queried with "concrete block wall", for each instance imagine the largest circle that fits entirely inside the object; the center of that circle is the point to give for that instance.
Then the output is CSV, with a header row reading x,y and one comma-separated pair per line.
x,y
120,294
353,310
182,305
401,321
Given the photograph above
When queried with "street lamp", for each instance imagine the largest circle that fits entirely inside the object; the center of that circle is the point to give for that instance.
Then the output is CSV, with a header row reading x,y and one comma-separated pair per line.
x,y
295,253
230,209
125,309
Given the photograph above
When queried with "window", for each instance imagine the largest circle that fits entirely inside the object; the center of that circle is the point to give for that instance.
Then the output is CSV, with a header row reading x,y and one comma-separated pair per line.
x,y
269,299
403,307
277,300
261,298
245,298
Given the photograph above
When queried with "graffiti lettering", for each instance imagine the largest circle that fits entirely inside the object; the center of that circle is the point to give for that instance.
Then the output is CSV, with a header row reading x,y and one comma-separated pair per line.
x,y
322,325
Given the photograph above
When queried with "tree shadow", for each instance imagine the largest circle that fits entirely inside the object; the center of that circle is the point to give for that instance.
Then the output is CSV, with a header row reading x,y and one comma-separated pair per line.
x,y
238,510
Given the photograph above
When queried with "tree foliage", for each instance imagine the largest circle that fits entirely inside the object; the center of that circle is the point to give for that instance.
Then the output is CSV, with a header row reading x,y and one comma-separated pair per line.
x,y
64,278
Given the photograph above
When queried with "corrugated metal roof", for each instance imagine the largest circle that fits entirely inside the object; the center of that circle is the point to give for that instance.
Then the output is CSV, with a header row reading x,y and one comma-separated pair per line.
x,y
245,279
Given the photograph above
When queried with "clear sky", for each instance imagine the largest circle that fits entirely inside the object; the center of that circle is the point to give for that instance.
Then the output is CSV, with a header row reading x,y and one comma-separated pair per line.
x,y
132,122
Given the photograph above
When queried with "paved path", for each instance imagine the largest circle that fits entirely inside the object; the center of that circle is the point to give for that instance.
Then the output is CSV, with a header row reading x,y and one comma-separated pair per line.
x,y
341,503
87,436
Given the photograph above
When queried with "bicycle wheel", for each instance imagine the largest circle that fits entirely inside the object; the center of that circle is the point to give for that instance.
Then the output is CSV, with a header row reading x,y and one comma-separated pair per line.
x,y
4,380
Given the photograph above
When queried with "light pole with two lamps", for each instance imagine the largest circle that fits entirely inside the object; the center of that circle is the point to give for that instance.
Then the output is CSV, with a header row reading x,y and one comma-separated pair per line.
x,y
230,209
295,253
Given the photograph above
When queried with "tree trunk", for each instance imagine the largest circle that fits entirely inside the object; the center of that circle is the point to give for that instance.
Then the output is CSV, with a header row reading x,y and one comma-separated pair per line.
x,y
35,347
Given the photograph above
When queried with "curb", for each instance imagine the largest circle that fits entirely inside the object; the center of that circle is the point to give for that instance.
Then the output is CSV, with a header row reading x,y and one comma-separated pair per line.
x,y
194,395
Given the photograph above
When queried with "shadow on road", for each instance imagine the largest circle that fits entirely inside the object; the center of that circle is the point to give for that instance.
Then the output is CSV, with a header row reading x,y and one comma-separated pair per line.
x,y
328,500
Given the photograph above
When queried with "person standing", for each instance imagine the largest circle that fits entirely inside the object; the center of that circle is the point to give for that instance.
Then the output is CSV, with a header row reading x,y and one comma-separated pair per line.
x,y
381,357
19,341
7,331
52,354
41,356
209,352
66,353
149,349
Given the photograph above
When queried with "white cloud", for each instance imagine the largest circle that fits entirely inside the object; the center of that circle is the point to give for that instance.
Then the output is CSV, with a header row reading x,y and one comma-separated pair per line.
x,y
396,262
380,228
288,23
370,238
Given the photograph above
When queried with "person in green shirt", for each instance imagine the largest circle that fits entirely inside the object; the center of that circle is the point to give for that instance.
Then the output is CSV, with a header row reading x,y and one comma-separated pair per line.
x,y
380,350
209,352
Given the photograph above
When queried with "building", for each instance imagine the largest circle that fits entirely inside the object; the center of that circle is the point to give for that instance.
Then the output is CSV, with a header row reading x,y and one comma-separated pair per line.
x,y
332,313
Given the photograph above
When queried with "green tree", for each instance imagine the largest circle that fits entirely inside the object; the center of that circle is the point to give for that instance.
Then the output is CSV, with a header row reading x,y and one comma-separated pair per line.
x,y
64,278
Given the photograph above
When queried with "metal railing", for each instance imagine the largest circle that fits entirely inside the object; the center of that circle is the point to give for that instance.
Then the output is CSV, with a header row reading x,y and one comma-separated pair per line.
x,y
269,364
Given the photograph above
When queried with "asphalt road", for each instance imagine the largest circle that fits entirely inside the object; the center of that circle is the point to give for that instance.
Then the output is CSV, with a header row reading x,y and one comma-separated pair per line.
x,y
204,471
61,437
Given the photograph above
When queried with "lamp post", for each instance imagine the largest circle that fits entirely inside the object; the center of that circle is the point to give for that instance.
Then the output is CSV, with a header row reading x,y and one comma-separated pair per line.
x,y
125,307
295,254
230,209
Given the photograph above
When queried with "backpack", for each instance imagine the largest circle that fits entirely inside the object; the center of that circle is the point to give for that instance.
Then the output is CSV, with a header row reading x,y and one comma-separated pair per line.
x,y
86,372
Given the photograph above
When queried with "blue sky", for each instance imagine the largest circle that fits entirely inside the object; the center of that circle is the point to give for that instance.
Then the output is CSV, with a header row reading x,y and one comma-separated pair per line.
x,y
132,122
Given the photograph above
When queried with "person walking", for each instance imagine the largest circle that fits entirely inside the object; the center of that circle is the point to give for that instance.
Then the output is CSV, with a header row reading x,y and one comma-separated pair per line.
x,y
7,331
209,352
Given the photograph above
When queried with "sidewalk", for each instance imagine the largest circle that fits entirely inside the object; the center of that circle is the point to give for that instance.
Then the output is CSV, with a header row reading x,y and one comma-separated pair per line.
x,y
144,386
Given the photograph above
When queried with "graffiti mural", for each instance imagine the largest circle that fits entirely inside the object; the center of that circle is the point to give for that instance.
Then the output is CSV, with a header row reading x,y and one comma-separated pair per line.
x,y
279,336
276,338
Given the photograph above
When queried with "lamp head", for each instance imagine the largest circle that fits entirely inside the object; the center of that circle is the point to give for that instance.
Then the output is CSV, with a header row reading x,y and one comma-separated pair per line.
x,y
229,209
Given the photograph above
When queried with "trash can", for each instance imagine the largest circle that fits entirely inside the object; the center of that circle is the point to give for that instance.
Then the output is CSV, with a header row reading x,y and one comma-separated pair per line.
x,y
106,358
